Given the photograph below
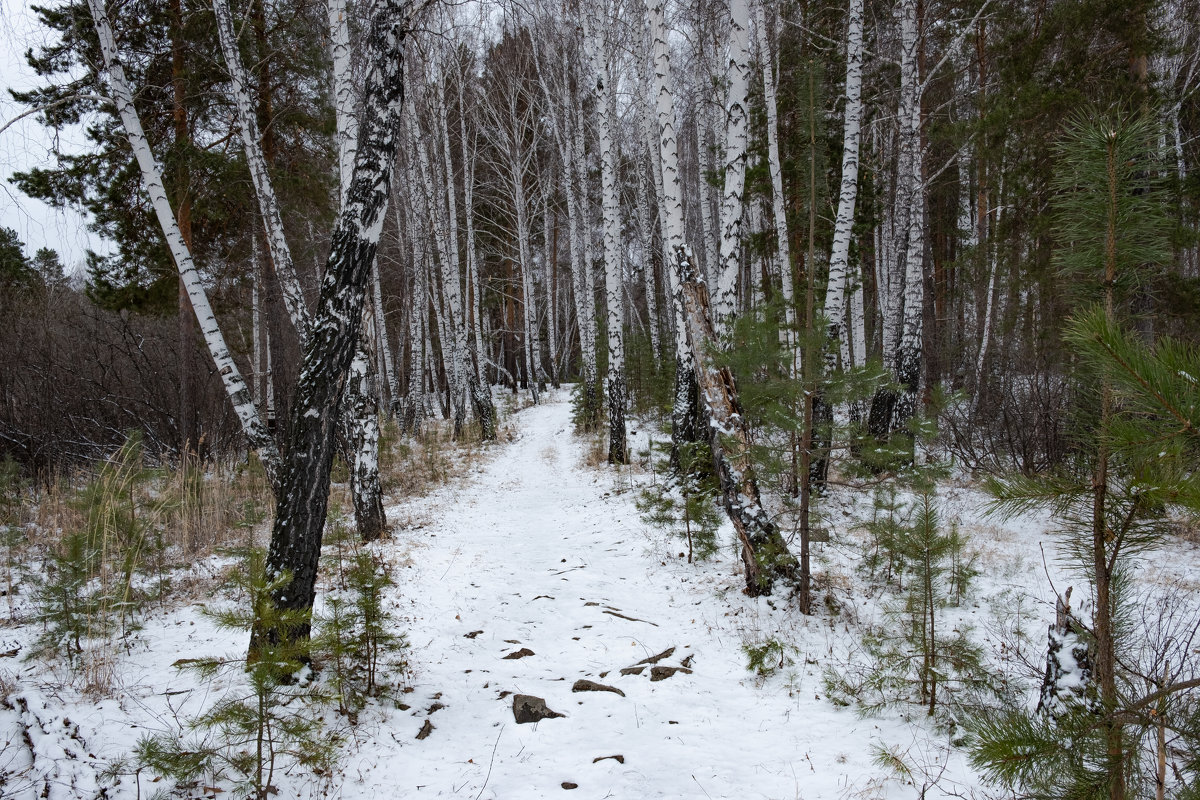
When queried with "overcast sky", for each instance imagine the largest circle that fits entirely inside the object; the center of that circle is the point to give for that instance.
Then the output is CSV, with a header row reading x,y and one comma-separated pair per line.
x,y
25,143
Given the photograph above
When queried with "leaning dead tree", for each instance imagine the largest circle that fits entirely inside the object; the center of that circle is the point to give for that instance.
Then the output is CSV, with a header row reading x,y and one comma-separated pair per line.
x,y
765,554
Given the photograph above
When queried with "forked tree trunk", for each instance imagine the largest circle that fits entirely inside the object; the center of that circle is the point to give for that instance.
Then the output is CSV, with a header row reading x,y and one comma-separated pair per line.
x,y
360,434
330,346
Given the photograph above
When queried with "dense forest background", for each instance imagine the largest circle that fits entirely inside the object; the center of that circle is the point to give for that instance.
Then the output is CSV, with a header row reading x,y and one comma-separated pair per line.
x,y
500,177
786,254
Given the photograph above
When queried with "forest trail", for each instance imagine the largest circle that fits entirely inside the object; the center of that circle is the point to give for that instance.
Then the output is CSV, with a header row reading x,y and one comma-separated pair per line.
x,y
535,551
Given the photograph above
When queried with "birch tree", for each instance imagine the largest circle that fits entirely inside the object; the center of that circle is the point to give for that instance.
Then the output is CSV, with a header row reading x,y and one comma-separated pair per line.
x,y
765,554
782,255
839,259
330,346
601,81
737,137
359,421
235,386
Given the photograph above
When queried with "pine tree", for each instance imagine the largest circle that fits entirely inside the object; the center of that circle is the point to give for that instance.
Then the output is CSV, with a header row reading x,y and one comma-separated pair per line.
x,y
1109,216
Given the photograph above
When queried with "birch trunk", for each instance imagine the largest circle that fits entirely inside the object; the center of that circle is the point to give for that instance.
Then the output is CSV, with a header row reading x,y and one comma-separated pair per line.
x,y
605,113
737,129
707,150
384,343
903,318
360,431
235,386
475,301
481,401
444,247
587,297
330,346
783,257
909,353
550,277
835,302
646,240
413,417
765,554
360,403
685,411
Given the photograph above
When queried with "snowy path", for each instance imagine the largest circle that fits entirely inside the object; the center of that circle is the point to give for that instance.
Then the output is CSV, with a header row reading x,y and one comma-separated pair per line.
x,y
537,551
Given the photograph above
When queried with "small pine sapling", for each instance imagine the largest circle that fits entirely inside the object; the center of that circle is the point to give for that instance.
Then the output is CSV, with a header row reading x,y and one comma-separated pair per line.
x,y
685,505
356,636
95,578
915,657
883,558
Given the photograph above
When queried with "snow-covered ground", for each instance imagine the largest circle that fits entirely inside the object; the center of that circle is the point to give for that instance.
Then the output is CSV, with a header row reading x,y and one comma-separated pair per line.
x,y
537,554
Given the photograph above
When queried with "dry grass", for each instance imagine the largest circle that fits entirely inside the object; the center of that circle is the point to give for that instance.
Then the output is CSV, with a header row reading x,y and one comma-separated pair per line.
x,y
414,466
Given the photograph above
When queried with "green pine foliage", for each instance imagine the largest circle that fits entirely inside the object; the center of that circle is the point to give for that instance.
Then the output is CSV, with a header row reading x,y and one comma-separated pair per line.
x,y
270,720
1156,428
355,642
766,658
97,577
1136,447
685,505
916,656
1106,183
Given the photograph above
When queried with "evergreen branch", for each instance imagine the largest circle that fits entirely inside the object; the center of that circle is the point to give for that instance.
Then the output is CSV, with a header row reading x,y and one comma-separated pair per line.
x,y
1126,524
47,106
1093,329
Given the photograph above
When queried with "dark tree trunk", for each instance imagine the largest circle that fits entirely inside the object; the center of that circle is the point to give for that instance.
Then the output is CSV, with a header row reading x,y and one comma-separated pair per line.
x,y
618,451
304,481
685,412
485,409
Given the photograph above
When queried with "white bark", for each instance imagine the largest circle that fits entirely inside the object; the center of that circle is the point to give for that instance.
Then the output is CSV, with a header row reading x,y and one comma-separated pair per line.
x,y
583,218
389,367
835,304
908,364
256,325
435,208
668,165
264,190
685,414
473,286
985,332
451,273
344,96
549,267
707,115
737,131
235,386
646,240
613,283
783,257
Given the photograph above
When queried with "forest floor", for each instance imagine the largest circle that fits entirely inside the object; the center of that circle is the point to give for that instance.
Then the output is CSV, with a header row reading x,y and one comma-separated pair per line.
x,y
533,572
